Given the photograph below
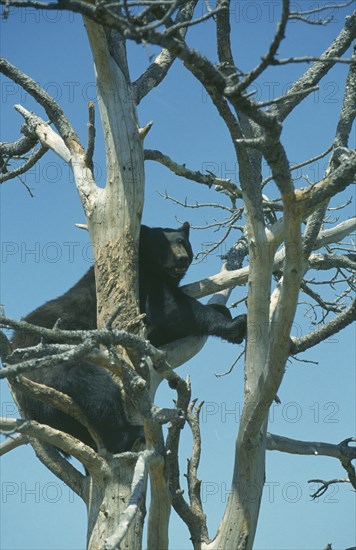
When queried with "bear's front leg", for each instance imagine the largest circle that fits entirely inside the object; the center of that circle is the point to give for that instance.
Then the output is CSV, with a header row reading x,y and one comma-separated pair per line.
x,y
231,329
215,320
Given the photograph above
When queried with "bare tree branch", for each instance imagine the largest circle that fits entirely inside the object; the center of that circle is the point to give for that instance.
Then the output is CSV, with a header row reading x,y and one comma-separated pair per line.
x,y
333,183
301,164
223,36
269,58
229,279
95,464
91,136
316,72
62,468
48,137
325,485
293,446
52,108
12,442
194,484
335,234
16,172
309,59
59,400
347,115
159,68
19,147
301,14
343,451
172,444
224,185
330,261
329,329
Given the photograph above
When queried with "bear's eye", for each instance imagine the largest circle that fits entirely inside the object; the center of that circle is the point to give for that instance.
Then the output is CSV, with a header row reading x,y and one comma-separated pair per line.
x,y
180,241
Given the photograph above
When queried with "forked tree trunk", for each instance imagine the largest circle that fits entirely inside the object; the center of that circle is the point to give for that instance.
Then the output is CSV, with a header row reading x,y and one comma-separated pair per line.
x,y
114,224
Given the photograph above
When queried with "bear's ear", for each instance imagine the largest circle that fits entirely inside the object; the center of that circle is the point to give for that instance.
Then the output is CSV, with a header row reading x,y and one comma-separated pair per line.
x,y
185,228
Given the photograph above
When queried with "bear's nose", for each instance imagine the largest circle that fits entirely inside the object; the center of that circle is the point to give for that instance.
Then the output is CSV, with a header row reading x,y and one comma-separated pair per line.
x,y
182,261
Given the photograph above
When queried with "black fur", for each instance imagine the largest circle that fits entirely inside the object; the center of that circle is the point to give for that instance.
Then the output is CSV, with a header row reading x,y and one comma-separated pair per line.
x,y
164,257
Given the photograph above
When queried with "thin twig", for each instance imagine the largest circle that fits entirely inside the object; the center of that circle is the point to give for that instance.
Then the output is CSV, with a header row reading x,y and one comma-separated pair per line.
x,y
325,485
229,371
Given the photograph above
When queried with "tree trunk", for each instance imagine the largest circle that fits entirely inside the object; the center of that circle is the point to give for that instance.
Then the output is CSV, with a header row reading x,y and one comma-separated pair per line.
x,y
114,224
109,497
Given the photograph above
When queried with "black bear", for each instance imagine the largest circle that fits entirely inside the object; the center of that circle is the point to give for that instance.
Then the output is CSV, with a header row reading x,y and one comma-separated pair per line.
x,y
164,257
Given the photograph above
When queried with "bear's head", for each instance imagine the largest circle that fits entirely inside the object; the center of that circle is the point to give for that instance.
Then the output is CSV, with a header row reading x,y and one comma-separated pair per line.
x,y
165,251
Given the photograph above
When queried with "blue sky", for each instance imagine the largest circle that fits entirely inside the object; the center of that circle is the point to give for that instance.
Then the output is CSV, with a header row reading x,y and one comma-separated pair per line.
x,y
43,254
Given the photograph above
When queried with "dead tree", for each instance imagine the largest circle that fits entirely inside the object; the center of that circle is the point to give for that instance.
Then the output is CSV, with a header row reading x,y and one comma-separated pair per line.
x,y
286,239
